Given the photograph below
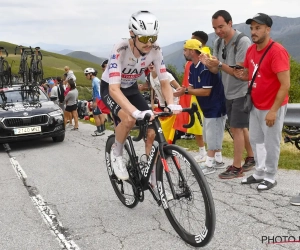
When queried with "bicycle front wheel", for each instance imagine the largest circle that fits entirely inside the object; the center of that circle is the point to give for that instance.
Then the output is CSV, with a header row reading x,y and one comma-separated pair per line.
x,y
123,189
191,212
39,71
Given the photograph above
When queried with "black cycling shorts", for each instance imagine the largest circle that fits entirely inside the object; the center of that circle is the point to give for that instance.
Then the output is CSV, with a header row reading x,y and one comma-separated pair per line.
x,y
132,94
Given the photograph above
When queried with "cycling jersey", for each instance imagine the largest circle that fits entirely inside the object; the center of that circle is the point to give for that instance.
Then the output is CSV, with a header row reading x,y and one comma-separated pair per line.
x,y
96,88
124,68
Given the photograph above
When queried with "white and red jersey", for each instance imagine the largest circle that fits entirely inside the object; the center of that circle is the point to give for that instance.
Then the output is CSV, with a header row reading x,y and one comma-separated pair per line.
x,y
124,68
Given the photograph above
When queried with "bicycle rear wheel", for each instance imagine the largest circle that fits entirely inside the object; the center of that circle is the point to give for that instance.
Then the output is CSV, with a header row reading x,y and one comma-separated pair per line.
x,y
123,189
6,75
1,75
191,212
25,73
39,71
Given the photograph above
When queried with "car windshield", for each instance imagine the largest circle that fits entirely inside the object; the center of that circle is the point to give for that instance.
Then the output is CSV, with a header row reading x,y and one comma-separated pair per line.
x,y
22,95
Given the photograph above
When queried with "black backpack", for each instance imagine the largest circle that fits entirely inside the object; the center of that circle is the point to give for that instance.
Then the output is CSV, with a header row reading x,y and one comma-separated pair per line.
x,y
235,43
61,92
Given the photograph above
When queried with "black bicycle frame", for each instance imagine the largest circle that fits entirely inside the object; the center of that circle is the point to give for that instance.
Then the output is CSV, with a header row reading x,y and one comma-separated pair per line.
x,y
157,151
155,154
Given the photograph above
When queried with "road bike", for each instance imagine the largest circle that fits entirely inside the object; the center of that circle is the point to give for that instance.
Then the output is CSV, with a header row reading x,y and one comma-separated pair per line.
x,y
5,70
36,67
191,209
23,68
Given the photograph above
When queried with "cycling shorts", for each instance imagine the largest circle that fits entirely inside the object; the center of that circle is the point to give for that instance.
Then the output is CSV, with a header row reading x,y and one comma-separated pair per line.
x,y
132,94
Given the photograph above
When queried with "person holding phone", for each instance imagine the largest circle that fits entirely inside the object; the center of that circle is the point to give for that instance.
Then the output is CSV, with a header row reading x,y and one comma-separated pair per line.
x,y
235,89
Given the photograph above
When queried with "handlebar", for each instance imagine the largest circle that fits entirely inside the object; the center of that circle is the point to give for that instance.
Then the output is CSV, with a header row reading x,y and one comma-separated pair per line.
x,y
144,123
2,49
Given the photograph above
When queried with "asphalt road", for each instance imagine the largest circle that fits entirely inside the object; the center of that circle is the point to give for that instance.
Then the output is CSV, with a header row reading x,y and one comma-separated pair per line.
x,y
58,196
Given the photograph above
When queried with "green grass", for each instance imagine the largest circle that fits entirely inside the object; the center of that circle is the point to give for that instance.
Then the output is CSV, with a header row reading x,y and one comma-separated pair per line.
x,y
53,64
289,154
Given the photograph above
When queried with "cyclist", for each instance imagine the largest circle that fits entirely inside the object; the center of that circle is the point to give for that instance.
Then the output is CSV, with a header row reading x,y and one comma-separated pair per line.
x,y
119,88
91,74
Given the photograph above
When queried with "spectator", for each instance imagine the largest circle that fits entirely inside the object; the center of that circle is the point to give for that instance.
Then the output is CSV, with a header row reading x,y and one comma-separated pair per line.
x,y
166,123
51,85
269,96
209,90
70,74
53,93
99,117
104,64
71,104
227,54
60,93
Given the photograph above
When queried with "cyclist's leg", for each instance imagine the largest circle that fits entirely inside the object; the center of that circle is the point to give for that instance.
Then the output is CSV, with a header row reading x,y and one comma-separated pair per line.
x,y
121,131
139,102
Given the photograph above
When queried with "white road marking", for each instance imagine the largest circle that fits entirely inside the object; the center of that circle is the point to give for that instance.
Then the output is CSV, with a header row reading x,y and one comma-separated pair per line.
x,y
47,214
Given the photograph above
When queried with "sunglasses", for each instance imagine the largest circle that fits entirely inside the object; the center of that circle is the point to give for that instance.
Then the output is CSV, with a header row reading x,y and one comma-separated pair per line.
x,y
224,52
146,39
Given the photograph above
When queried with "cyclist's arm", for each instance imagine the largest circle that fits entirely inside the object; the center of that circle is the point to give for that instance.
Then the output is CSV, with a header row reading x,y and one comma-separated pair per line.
x,y
121,100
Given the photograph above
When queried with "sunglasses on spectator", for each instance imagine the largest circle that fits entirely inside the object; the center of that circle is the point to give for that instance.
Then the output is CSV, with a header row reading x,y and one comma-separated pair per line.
x,y
146,39
224,52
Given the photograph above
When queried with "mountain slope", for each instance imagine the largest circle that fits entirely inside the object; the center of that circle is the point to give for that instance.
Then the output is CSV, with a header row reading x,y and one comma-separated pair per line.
x,y
284,30
86,56
53,64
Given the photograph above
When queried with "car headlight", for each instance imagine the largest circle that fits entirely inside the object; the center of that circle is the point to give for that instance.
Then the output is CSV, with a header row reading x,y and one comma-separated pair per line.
x,y
56,117
55,113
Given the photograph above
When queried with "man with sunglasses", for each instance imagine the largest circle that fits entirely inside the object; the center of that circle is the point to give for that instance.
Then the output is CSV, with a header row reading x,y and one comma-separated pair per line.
x,y
119,89
234,89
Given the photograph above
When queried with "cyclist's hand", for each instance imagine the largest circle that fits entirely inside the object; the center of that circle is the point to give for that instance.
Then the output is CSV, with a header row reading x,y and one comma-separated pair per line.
x,y
141,114
176,109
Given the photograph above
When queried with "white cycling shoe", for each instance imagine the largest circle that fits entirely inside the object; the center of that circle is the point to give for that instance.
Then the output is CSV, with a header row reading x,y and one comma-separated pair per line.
x,y
118,167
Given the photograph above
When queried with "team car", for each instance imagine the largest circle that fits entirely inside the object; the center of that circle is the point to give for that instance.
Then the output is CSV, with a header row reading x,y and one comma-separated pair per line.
x,y
26,112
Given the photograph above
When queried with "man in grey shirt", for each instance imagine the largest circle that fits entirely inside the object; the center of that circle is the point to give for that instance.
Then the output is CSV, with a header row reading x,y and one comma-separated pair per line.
x,y
228,52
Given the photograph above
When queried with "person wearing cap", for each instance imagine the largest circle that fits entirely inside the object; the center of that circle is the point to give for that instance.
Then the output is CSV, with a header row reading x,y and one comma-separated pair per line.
x,y
209,90
269,96
235,89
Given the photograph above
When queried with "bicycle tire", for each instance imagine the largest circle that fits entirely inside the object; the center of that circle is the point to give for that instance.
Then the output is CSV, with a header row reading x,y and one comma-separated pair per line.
x,y
5,70
184,185
25,73
1,75
129,200
39,71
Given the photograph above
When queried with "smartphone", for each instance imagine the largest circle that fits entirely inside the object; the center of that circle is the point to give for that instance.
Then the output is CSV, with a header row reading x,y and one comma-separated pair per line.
x,y
236,66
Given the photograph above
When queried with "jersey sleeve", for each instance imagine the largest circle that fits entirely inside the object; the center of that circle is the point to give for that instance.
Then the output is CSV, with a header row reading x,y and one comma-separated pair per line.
x,y
114,64
159,64
170,77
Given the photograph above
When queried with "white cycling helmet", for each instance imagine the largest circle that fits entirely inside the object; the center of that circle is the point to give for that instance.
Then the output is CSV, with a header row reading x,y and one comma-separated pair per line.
x,y
90,70
144,23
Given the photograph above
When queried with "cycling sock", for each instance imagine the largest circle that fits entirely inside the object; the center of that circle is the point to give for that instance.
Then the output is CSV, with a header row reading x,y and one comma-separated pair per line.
x,y
209,161
99,129
218,157
118,150
102,127
202,151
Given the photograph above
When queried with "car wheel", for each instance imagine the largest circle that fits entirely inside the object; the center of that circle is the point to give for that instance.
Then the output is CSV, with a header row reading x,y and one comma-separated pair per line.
x,y
58,138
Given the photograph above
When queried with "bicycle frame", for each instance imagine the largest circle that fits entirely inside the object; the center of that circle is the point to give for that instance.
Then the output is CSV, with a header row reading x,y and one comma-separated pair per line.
x,y
157,151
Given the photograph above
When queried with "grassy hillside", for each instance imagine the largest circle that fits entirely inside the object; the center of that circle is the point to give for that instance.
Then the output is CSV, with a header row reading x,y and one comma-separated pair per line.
x,y
53,64
86,56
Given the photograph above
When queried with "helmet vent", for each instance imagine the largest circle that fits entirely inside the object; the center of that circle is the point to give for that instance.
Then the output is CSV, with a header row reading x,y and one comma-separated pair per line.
x,y
142,25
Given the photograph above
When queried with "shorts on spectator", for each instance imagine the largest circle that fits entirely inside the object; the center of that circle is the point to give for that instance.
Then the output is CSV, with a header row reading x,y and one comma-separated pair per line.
x,y
71,108
237,118
213,132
